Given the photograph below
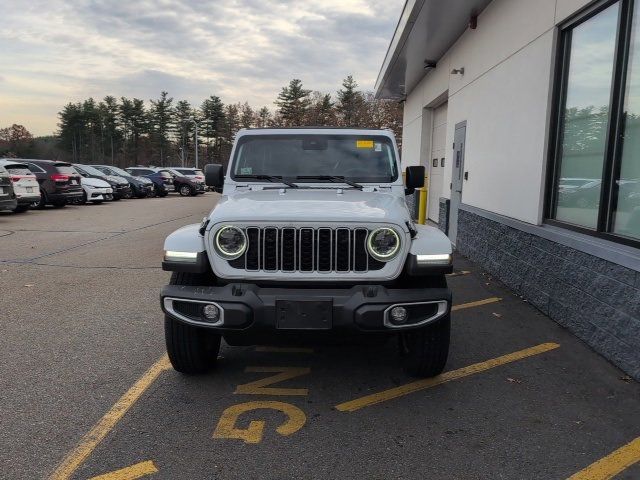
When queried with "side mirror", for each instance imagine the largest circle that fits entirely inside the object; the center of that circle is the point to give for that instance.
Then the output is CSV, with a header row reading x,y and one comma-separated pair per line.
x,y
414,178
213,175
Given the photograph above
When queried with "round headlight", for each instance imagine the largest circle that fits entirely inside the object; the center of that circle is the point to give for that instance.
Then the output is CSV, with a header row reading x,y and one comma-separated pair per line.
x,y
230,242
383,244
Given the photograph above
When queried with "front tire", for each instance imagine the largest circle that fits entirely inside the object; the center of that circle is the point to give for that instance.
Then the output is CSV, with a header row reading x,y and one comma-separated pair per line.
x,y
186,191
424,351
191,350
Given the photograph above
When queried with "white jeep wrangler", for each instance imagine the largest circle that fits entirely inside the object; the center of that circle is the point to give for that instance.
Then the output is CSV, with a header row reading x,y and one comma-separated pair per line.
x,y
312,238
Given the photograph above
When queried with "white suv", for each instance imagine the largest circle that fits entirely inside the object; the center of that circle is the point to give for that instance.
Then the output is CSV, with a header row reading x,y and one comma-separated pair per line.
x,y
312,238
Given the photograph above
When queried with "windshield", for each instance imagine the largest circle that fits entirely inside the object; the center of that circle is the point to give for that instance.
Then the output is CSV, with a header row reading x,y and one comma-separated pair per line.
x,y
188,171
358,158
176,172
119,171
89,170
65,169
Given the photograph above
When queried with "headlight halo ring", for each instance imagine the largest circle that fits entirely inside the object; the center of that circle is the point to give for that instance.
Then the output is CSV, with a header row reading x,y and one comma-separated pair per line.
x,y
388,256
224,253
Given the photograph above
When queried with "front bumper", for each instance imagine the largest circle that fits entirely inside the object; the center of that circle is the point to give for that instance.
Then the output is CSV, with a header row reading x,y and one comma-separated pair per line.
x,y
252,311
8,203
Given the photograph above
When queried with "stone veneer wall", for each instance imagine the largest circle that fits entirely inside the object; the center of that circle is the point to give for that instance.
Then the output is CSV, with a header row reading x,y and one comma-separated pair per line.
x,y
443,215
597,300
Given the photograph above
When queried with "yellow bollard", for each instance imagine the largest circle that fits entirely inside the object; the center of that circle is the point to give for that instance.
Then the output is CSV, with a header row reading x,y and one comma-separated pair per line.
x,y
422,209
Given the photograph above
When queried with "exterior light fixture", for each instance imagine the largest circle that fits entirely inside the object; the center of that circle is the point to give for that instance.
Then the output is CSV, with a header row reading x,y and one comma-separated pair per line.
x,y
457,71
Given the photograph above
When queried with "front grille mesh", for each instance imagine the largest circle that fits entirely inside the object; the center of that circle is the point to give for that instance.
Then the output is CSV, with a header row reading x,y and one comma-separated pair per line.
x,y
288,249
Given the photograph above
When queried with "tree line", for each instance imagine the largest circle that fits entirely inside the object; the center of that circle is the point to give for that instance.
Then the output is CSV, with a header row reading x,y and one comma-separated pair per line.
x,y
127,132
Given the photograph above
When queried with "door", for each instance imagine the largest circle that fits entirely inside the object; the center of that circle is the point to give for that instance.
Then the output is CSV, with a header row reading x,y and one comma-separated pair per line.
x,y
457,178
436,160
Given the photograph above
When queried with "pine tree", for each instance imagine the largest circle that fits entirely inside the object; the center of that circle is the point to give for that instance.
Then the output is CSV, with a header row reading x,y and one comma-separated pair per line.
x,y
350,104
212,126
263,117
322,111
160,118
293,103
112,134
246,115
183,128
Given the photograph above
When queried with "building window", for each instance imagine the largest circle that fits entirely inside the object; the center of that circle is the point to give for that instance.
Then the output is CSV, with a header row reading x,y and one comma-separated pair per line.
x,y
595,172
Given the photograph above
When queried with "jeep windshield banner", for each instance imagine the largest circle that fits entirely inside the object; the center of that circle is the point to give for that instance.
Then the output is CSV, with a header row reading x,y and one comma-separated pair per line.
x,y
365,159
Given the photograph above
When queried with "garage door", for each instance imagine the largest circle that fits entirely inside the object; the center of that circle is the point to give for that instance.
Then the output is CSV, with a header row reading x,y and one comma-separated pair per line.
x,y
436,160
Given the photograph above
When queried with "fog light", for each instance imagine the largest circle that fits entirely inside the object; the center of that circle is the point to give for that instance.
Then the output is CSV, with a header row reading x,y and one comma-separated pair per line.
x,y
211,312
399,314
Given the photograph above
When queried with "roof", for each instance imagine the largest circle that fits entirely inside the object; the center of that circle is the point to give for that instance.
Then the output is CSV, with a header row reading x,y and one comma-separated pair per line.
x,y
425,31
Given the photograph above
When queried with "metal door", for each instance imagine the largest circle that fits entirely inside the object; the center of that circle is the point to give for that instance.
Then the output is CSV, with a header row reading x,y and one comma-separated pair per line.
x,y
457,178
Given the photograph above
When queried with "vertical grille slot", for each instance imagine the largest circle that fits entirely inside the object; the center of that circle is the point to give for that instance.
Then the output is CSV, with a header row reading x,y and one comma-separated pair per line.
x,y
324,249
288,249
360,255
306,250
253,249
342,250
270,249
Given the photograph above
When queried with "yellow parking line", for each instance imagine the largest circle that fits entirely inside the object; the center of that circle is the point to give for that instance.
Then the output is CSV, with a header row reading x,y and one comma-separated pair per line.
x,y
611,465
477,303
385,395
100,430
133,472
265,348
458,274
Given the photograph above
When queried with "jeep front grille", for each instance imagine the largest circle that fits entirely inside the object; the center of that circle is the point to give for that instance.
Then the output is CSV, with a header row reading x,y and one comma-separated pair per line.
x,y
288,249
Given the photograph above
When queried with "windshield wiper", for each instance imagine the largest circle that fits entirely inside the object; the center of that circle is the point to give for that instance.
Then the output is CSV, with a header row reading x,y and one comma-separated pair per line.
x,y
269,178
331,178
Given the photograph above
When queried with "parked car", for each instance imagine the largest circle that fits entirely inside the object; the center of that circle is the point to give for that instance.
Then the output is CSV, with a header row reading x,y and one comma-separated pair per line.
x,y
184,185
313,239
141,187
96,191
161,178
119,185
194,174
59,182
8,200
25,184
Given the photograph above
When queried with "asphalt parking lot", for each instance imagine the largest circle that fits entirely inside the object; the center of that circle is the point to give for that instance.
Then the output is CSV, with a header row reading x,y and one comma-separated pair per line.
x,y
87,392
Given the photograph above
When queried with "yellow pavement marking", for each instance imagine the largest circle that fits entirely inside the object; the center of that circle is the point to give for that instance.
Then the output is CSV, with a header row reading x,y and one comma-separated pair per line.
x,y
259,387
385,395
611,465
265,348
458,274
226,427
477,303
101,429
133,472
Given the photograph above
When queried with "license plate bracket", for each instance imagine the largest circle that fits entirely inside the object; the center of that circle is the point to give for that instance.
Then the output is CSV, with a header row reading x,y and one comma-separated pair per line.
x,y
304,314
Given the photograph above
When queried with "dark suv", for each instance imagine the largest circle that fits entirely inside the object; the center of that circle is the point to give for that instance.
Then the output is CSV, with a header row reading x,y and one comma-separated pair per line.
x,y
59,182
162,179
184,185
141,187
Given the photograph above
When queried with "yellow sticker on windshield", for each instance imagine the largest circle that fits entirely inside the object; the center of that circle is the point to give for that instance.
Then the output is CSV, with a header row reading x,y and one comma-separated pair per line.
x,y
364,143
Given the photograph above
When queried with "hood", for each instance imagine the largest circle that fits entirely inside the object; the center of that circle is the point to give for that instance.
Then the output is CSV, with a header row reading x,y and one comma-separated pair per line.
x,y
312,205
94,182
118,180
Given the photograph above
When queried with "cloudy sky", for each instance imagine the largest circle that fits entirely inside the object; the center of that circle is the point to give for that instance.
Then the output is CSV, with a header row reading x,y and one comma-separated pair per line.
x,y
53,51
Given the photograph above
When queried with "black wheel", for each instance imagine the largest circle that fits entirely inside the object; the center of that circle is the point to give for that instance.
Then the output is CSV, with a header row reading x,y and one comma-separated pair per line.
x,y
186,191
128,194
21,208
191,349
40,204
59,203
153,193
424,351
83,200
